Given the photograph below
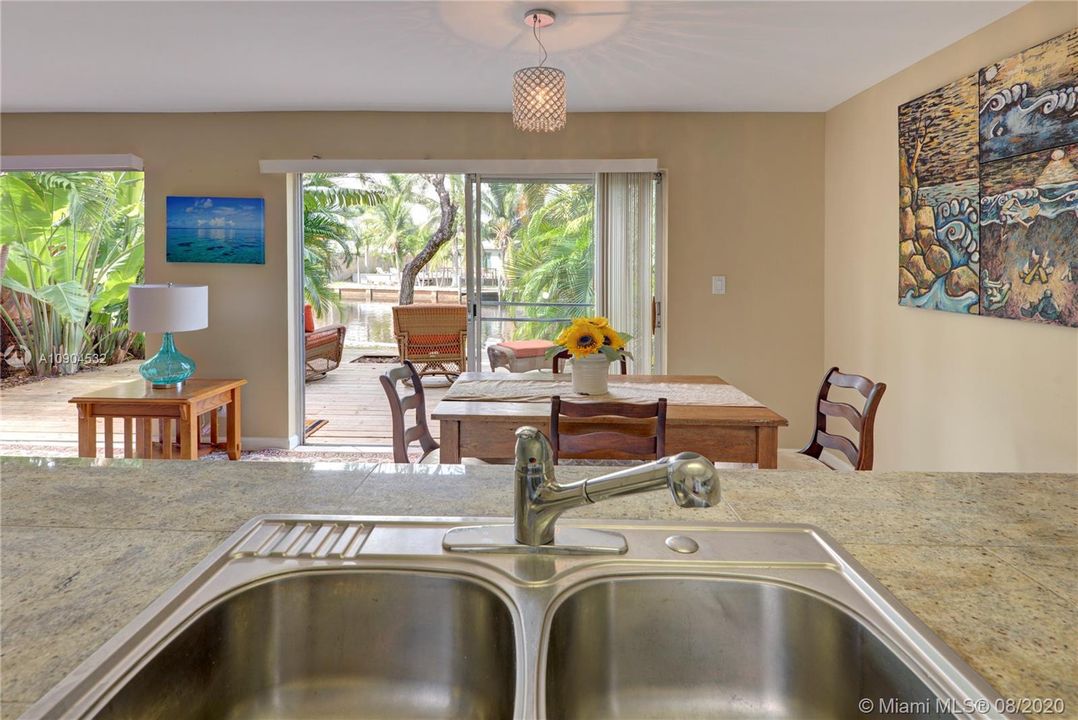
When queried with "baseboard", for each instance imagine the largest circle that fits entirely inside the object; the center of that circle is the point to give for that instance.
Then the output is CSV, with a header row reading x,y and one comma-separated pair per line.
x,y
270,443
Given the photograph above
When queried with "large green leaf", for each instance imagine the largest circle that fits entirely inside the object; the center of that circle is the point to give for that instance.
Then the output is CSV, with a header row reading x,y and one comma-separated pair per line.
x,y
26,209
69,299
13,283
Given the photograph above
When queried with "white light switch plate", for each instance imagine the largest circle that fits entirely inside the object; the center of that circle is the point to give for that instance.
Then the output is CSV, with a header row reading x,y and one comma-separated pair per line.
x,y
718,284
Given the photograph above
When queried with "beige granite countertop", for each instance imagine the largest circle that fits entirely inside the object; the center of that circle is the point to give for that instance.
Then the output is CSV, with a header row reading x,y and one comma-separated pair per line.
x,y
988,561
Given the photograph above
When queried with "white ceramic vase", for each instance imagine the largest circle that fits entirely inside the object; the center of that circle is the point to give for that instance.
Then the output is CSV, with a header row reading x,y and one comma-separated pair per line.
x,y
590,374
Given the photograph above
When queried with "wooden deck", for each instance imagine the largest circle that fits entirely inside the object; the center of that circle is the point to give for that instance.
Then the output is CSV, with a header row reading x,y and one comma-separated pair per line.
x,y
352,400
37,415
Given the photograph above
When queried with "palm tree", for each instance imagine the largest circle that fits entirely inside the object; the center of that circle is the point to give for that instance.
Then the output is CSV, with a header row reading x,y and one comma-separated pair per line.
x,y
506,206
554,258
328,238
391,220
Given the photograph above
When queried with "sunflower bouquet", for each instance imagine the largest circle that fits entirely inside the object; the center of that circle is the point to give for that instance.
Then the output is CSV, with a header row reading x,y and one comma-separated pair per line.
x,y
589,336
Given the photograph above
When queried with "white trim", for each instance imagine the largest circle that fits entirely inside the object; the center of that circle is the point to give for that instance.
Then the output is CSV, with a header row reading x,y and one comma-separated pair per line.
x,y
269,443
298,378
69,163
480,167
472,191
661,245
600,277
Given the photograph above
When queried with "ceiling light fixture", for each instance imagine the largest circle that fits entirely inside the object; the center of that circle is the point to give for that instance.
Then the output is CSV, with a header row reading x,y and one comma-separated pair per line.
x,y
539,91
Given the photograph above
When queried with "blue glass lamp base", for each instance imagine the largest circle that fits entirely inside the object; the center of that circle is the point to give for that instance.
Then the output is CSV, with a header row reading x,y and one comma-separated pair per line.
x,y
169,367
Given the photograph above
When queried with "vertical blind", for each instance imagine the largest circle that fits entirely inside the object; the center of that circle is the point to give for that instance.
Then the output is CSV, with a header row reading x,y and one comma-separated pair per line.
x,y
626,223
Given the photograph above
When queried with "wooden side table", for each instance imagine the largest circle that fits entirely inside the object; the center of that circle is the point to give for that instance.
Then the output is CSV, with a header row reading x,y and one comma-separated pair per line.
x,y
139,404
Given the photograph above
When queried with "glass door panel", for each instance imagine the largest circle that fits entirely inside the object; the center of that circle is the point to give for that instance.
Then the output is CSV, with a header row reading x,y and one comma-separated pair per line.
x,y
532,260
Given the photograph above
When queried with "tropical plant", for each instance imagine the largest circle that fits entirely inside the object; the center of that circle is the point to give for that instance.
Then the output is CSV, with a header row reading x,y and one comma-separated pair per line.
x,y
75,244
390,222
328,237
553,259
506,208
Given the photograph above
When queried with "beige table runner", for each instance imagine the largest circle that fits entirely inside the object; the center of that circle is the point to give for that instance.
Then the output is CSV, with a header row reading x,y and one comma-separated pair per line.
x,y
527,389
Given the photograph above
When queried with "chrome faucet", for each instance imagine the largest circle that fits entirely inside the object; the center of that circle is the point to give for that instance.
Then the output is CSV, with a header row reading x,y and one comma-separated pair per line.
x,y
540,499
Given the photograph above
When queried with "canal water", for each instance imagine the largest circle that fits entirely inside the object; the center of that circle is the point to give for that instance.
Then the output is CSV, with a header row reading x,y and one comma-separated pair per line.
x,y
370,325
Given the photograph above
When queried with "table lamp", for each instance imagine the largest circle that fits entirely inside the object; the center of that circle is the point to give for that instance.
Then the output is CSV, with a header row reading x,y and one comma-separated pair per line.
x,y
167,309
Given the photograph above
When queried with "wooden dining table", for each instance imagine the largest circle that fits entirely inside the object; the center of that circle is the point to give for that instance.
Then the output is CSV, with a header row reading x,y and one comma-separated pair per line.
x,y
483,428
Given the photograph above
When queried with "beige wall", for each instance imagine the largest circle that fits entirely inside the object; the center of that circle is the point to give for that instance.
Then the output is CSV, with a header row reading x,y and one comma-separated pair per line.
x,y
964,393
745,200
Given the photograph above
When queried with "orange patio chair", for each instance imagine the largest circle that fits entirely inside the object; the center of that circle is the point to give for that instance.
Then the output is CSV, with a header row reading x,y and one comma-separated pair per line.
x,y
322,346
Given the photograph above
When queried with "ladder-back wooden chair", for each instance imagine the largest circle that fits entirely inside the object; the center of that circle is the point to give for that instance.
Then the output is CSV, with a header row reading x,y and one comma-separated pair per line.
x,y
577,430
402,436
859,454
566,355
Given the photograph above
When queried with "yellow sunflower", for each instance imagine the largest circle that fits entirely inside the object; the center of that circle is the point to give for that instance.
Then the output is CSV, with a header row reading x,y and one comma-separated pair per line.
x,y
563,337
612,338
582,339
598,321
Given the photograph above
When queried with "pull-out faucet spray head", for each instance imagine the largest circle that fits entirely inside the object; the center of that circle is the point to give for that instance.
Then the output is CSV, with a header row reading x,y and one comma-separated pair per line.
x,y
693,481
540,498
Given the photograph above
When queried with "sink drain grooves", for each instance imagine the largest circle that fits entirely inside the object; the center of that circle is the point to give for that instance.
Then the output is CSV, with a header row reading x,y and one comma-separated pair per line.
x,y
303,540
319,537
290,541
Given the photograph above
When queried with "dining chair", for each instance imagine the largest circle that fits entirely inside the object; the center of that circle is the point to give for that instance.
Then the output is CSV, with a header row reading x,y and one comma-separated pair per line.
x,y
398,405
859,454
565,355
577,430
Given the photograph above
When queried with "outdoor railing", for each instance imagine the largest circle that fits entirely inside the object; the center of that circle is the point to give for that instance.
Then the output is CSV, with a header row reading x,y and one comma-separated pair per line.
x,y
526,318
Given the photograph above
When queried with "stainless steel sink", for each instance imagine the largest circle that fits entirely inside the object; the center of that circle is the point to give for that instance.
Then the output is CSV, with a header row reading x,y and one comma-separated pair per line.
x,y
707,648
335,645
356,617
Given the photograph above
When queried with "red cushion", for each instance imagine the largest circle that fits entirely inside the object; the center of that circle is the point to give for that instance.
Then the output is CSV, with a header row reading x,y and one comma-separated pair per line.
x,y
308,318
528,348
321,338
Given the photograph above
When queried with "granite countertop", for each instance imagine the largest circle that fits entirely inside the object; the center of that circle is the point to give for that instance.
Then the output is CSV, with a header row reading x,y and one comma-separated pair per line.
x,y
988,561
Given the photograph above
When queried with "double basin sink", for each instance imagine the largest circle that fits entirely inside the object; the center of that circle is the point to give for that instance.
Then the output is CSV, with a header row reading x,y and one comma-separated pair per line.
x,y
352,617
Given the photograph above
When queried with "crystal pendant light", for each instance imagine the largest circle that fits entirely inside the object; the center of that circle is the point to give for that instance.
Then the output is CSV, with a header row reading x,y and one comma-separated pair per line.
x,y
539,91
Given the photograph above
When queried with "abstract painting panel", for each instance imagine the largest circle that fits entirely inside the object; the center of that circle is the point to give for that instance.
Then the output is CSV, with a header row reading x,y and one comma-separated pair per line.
x,y
938,200
1029,234
1029,102
215,230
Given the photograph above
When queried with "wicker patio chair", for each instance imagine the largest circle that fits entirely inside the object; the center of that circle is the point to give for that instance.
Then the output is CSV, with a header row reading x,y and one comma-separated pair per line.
x,y
434,337
322,346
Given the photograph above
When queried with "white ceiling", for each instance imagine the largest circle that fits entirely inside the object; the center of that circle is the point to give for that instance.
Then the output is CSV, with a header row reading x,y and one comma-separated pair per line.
x,y
307,55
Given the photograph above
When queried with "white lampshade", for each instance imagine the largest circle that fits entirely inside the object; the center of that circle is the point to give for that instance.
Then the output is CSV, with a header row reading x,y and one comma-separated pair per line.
x,y
168,308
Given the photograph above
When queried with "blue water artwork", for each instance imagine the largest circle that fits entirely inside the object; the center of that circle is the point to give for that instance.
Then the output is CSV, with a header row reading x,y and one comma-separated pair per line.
x,y
1029,101
215,230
